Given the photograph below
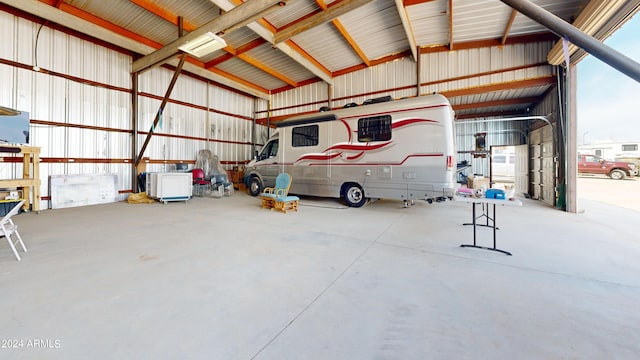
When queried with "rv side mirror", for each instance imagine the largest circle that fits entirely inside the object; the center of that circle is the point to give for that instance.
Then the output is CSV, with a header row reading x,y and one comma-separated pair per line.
x,y
255,155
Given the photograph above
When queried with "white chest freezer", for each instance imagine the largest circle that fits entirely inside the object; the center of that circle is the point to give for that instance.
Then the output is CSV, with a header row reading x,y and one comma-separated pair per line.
x,y
169,186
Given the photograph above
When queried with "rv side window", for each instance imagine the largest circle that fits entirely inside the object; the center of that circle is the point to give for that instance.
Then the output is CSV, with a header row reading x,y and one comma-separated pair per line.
x,y
630,147
304,136
377,128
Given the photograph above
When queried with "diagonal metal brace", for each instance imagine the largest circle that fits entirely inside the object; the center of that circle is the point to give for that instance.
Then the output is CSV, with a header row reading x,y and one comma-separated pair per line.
x,y
174,79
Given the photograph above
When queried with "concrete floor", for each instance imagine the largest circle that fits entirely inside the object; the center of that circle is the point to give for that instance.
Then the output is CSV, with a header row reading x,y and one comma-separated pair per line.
x,y
225,279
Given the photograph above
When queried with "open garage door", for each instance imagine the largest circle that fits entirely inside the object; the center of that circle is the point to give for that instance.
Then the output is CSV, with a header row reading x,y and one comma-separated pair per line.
x,y
542,166
510,167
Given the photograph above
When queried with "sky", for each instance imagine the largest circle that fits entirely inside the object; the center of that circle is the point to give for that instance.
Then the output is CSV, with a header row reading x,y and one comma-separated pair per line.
x,y
609,101
13,128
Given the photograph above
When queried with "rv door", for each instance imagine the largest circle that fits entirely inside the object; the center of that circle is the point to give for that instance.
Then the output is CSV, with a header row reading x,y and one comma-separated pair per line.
x,y
267,163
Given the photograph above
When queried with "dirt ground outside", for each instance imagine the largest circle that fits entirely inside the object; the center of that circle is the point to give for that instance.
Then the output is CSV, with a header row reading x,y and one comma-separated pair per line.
x,y
622,193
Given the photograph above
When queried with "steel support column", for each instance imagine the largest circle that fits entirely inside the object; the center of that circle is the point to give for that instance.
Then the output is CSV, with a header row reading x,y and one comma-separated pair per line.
x,y
134,131
571,138
591,45
418,70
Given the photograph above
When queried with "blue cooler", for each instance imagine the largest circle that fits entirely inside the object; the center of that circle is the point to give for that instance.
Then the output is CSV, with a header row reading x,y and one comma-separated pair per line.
x,y
495,194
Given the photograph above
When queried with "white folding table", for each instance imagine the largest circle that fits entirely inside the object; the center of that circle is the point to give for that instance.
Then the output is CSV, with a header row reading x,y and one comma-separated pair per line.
x,y
491,222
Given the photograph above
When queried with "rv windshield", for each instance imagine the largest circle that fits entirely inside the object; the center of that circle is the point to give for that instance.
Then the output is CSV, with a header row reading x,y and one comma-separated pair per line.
x,y
269,150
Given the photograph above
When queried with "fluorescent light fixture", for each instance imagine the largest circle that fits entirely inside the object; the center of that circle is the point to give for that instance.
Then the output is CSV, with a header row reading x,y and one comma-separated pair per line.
x,y
204,45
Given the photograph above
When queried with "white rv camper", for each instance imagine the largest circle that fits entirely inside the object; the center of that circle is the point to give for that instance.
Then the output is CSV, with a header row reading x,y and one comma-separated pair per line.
x,y
400,149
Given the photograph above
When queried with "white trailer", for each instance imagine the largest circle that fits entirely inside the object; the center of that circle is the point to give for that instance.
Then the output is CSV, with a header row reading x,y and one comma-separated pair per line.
x,y
400,149
611,151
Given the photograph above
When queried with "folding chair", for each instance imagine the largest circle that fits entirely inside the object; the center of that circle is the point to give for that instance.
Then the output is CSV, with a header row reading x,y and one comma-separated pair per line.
x,y
7,227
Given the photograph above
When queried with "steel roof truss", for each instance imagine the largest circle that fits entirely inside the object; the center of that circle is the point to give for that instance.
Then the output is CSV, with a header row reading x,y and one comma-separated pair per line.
x,y
318,19
243,14
286,48
408,29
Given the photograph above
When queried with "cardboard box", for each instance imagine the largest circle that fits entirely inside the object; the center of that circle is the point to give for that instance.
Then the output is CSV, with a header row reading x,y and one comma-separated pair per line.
x,y
476,182
10,195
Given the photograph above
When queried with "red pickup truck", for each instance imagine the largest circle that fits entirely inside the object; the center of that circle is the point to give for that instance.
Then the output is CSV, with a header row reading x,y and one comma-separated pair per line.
x,y
595,165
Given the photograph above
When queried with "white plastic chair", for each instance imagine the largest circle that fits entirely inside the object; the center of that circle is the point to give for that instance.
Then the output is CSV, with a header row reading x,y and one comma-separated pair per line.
x,y
7,227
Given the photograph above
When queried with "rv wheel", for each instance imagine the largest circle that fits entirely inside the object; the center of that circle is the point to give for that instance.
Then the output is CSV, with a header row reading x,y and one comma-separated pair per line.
x,y
354,195
255,186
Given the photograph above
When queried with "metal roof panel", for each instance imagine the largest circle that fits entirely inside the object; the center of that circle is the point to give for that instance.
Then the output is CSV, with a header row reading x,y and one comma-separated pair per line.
x,y
376,28
430,22
566,10
278,61
240,37
194,12
243,70
291,12
325,44
479,19
131,17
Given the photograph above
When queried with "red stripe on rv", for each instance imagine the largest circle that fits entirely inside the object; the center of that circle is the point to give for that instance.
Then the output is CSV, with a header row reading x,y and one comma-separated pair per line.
x,y
386,163
319,157
406,122
355,156
351,147
346,124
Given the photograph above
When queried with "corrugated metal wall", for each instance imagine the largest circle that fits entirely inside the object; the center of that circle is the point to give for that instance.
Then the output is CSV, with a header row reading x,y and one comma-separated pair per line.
x,y
448,65
307,98
71,115
377,81
80,108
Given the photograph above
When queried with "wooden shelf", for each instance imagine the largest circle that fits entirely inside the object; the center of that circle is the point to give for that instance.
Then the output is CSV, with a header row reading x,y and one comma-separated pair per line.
x,y
30,182
10,201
